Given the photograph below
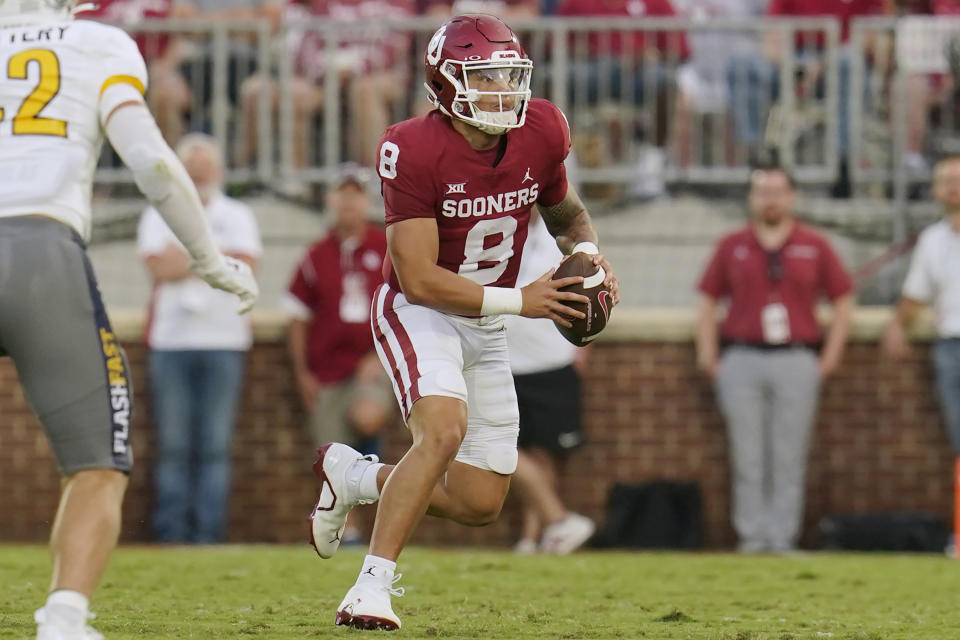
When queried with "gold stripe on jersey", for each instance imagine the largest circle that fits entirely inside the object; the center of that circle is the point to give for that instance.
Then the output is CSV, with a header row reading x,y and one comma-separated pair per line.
x,y
131,80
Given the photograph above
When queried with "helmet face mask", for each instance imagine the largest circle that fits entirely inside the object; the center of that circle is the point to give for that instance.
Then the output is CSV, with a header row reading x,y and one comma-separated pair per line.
x,y
491,95
478,72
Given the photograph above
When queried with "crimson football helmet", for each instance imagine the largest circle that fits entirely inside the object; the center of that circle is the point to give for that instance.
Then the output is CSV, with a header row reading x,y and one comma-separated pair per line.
x,y
478,72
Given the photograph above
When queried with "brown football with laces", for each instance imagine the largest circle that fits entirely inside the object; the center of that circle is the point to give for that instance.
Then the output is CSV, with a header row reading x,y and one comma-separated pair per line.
x,y
600,302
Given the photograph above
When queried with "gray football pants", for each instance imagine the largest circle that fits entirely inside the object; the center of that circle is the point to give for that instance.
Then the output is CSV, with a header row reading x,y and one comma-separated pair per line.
x,y
769,400
54,326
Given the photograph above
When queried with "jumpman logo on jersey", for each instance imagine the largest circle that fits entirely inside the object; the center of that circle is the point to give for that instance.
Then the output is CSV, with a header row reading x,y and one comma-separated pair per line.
x,y
527,176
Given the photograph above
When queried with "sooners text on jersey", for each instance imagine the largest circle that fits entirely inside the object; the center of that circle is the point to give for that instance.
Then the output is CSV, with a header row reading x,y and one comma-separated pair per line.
x,y
428,170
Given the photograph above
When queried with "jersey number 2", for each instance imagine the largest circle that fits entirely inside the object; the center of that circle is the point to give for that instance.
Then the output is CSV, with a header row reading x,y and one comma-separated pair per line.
x,y
28,120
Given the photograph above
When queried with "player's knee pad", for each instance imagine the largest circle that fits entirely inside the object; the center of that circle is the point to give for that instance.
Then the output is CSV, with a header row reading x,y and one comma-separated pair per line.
x,y
490,448
502,458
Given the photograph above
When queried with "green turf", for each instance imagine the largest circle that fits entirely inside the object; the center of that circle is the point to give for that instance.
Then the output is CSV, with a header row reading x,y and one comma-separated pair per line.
x,y
287,592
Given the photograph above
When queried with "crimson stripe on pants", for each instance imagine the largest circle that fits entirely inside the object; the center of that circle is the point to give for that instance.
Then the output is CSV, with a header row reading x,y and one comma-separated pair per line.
x,y
406,346
385,345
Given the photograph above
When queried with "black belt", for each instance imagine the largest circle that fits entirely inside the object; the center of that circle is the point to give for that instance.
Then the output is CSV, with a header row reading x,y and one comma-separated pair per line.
x,y
764,346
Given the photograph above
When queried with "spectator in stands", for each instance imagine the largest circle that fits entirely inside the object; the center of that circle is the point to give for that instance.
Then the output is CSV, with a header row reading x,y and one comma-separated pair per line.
x,y
549,7
930,96
546,373
703,78
342,387
754,80
185,72
208,10
371,64
505,9
197,349
934,279
180,64
637,67
168,95
906,7
771,273
241,50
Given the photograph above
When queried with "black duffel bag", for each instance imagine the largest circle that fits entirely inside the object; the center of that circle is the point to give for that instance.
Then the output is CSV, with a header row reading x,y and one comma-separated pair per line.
x,y
656,515
893,531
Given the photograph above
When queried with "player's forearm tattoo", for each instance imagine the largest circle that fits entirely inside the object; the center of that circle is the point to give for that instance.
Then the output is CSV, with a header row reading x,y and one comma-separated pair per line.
x,y
569,222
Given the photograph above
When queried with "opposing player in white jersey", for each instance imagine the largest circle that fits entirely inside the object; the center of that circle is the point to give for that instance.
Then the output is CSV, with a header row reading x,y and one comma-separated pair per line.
x,y
458,187
64,85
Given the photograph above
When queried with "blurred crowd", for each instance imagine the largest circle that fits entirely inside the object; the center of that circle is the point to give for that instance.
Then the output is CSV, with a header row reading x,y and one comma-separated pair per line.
x,y
656,98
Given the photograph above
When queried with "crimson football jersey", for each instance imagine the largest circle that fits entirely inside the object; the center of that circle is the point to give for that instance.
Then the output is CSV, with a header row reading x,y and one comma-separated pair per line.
x,y
428,170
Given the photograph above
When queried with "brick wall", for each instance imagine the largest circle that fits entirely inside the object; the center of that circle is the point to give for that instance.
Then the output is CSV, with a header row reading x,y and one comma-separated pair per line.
x,y
879,444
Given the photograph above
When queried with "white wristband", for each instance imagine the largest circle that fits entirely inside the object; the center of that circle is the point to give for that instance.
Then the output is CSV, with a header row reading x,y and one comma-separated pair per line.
x,y
586,247
497,300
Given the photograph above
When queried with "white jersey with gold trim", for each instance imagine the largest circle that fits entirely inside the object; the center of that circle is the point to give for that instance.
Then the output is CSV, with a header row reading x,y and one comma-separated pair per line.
x,y
53,79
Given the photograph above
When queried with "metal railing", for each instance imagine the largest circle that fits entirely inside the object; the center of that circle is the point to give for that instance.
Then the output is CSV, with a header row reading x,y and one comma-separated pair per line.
x,y
622,96
617,102
208,62
898,65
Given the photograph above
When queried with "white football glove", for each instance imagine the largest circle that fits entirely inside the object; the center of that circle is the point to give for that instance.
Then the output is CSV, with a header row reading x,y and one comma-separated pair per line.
x,y
233,276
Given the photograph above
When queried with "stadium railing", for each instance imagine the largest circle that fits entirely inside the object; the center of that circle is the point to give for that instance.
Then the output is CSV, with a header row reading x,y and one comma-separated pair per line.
x,y
903,105
703,117
216,57
626,85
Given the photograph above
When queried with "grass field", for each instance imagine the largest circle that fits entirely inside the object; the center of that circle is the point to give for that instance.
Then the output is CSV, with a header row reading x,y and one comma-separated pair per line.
x,y
287,592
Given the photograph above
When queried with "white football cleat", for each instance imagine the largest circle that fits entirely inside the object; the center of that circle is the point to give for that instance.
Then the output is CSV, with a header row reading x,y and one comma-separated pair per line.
x,y
565,536
49,628
367,606
338,494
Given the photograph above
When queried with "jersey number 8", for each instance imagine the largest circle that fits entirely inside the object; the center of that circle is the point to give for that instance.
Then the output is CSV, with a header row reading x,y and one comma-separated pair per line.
x,y
389,152
485,264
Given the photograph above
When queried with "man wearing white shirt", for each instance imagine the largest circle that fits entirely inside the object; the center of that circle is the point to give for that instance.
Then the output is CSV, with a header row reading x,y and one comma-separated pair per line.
x,y
934,278
546,375
197,347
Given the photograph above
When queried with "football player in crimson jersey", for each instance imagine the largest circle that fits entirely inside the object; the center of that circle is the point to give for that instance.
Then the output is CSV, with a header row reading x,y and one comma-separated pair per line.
x,y
458,186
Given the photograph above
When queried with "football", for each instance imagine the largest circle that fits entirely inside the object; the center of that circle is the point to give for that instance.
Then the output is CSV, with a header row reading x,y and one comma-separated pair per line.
x,y
600,303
